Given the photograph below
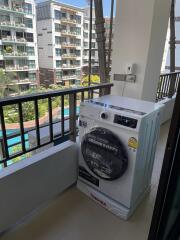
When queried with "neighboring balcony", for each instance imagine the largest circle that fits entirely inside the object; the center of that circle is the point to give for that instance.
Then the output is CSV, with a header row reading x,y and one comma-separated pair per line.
x,y
7,9
18,68
15,55
12,25
68,33
68,66
69,45
69,56
68,77
9,39
68,21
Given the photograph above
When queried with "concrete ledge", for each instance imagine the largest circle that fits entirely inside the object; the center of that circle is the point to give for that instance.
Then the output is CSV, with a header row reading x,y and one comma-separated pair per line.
x,y
168,108
26,185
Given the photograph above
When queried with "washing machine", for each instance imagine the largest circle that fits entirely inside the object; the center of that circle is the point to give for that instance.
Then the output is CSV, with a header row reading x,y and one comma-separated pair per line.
x,y
117,144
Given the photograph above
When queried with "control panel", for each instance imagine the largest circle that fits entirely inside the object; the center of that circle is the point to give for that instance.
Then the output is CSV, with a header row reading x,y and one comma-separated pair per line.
x,y
125,121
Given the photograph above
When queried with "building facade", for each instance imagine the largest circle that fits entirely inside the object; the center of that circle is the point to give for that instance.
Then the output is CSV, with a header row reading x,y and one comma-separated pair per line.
x,y
18,42
60,34
63,43
94,50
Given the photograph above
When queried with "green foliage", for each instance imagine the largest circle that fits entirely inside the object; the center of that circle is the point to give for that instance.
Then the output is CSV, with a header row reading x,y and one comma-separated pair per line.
x,y
95,79
8,49
17,149
5,83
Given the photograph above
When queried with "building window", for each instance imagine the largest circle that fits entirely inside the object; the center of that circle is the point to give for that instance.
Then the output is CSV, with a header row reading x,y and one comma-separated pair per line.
x,y
93,45
85,34
59,75
29,37
93,53
30,51
85,52
85,44
77,63
78,42
31,63
58,52
78,53
78,19
93,35
28,22
78,30
64,15
58,63
57,27
28,8
57,40
57,14
32,76
85,26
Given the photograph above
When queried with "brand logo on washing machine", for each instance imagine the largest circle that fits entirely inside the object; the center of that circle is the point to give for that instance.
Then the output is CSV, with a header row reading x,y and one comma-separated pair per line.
x,y
133,143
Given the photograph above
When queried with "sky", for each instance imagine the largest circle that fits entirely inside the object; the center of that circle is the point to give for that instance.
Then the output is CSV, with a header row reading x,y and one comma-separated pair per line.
x,y
83,3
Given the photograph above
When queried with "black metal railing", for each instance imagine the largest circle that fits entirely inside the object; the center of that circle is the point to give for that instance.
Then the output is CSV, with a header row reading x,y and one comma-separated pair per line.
x,y
66,131
168,84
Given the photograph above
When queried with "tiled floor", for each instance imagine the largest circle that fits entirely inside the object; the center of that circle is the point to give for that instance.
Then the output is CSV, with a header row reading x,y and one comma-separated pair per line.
x,y
73,216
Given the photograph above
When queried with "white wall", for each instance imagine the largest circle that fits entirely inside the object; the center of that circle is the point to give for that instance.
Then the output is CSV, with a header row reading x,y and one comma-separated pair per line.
x,y
28,184
140,33
45,51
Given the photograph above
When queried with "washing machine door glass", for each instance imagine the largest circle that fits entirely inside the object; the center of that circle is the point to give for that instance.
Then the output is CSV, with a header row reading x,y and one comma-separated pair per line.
x,y
104,153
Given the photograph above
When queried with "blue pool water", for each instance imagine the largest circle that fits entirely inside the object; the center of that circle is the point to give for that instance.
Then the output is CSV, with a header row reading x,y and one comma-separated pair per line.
x,y
18,139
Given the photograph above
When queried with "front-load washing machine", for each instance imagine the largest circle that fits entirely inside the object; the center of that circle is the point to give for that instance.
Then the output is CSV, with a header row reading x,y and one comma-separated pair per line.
x,y
117,143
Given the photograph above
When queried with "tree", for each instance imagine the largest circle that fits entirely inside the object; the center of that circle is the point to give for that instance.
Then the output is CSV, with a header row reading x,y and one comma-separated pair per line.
x,y
6,85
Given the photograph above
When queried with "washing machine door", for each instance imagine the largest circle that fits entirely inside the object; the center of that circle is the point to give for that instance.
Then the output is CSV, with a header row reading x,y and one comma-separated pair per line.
x,y
104,153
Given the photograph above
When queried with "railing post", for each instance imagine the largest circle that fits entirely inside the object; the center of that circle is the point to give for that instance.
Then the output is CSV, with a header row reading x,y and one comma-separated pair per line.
x,y
172,85
72,117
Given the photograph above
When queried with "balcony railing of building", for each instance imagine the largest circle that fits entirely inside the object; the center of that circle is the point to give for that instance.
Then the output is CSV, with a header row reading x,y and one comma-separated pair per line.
x,y
15,10
19,68
7,24
73,96
68,21
165,86
9,39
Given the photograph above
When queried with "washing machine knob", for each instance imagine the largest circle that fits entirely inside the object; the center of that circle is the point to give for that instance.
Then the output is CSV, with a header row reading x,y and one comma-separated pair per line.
x,y
104,115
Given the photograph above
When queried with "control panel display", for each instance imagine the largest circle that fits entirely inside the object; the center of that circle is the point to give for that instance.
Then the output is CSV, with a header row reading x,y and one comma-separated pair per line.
x,y
125,121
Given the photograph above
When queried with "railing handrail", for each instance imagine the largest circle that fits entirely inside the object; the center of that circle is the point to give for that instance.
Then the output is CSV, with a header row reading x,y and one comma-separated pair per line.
x,y
36,96
170,73
168,85
65,133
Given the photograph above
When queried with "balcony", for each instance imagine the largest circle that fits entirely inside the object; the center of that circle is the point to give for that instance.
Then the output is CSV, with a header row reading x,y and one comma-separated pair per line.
x,y
67,78
15,55
13,25
12,10
12,68
68,21
69,34
71,215
69,56
74,216
9,39
70,10
69,45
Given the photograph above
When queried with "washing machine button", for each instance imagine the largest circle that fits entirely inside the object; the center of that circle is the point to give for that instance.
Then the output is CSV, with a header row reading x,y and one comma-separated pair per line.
x,y
104,115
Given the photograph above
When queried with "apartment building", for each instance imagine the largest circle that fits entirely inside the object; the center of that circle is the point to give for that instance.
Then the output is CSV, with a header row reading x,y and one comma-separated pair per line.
x,y
18,42
94,48
60,45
